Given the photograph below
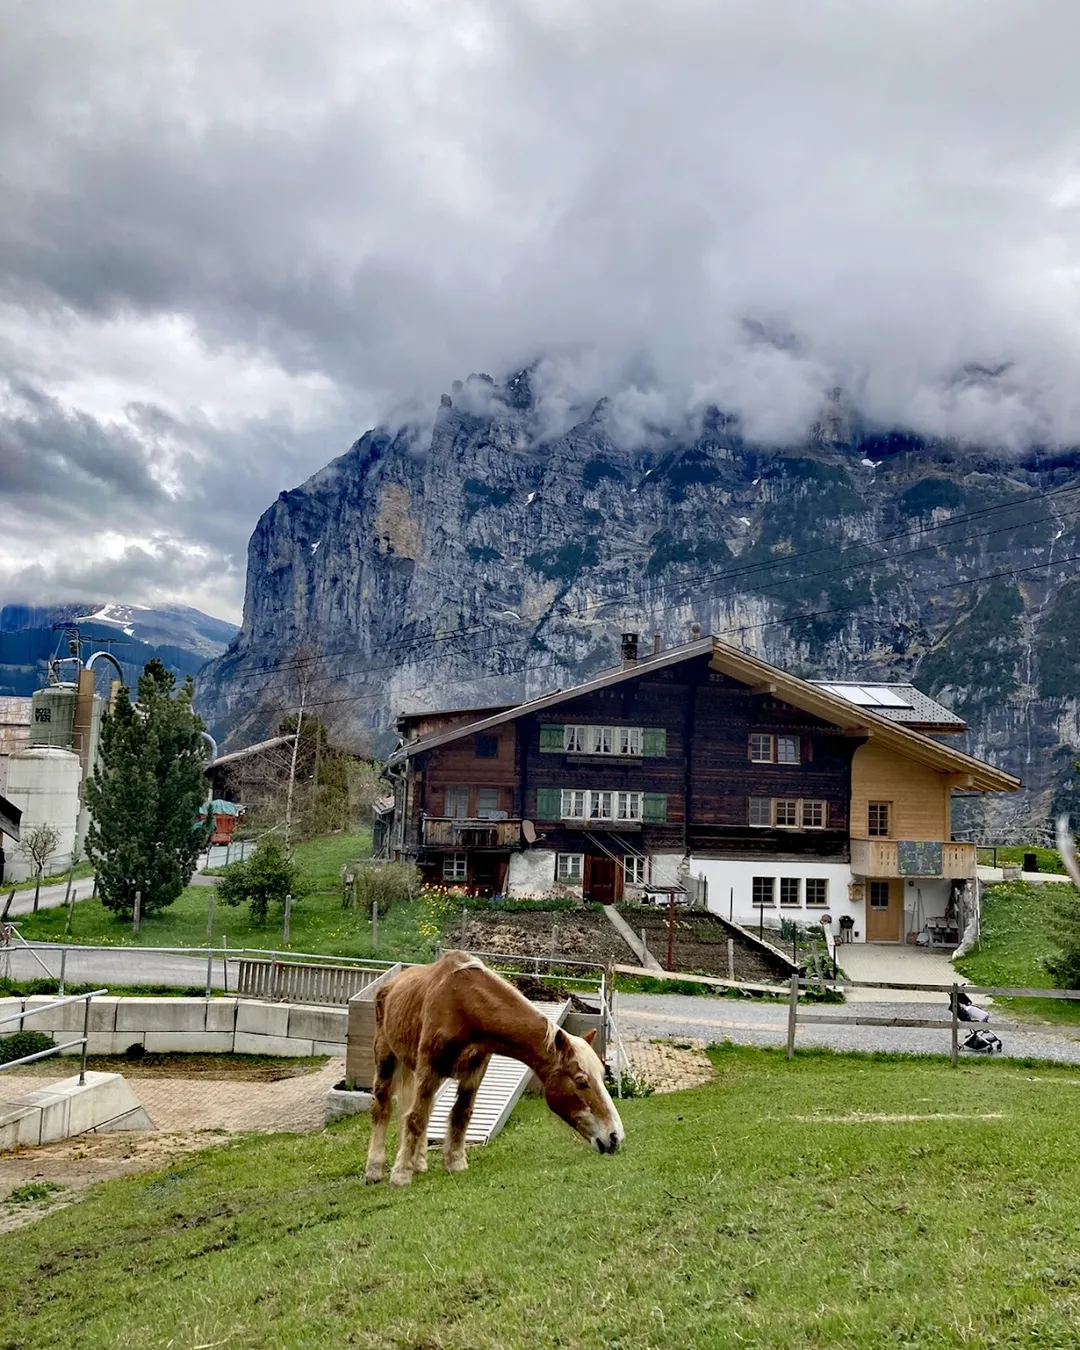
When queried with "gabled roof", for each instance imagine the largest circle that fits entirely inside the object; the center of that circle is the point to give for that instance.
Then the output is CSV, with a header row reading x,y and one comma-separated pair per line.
x,y
899,702
256,749
813,698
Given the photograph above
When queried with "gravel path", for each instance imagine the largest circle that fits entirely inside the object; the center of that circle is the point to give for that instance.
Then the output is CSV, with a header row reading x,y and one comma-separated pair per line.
x,y
679,1017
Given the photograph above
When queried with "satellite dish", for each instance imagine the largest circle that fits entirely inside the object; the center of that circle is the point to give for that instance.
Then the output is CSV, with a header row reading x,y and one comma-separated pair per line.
x,y
528,829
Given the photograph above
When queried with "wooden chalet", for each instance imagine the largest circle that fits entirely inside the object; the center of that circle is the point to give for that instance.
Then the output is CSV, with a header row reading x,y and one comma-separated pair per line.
x,y
700,768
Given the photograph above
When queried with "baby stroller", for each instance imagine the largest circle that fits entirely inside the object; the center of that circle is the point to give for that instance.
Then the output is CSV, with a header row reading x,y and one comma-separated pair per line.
x,y
979,1042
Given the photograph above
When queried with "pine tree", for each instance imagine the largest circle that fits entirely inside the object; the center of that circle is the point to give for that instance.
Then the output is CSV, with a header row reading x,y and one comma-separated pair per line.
x,y
146,795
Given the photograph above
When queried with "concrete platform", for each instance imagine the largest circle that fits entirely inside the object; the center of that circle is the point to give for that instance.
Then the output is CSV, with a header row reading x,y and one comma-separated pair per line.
x,y
898,964
66,1108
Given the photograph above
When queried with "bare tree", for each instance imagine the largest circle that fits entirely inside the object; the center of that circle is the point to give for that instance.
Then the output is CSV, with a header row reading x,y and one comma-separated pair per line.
x,y
39,844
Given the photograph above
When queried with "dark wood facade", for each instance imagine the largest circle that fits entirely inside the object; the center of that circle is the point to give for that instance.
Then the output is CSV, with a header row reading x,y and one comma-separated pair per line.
x,y
695,774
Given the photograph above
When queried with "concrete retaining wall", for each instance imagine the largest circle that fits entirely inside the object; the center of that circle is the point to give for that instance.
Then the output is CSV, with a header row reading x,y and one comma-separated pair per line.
x,y
66,1108
199,1025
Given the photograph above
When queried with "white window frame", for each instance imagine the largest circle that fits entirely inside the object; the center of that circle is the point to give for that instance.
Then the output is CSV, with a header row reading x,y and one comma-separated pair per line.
x,y
785,883
635,870
770,747
759,824
575,738
573,803
601,805
796,750
823,882
601,740
765,904
455,867
570,867
823,823
787,824
630,740
629,805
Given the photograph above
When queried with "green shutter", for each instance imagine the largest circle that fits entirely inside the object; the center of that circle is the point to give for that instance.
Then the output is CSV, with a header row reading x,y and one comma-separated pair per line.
x,y
654,807
552,738
548,803
654,743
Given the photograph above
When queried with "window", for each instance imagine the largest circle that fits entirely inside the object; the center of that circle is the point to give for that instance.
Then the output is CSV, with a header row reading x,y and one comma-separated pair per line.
x,y
455,867
568,867
879,895
601,739
456,802
763,889
575,739
628,805
787,811
634,870
487,802
573,804
877,824
789,891
630,740
761,748
760,810
817,892
600,805
787,750
487,747
813,815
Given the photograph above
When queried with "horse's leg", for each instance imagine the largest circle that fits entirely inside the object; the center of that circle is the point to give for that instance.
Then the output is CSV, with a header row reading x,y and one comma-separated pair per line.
x,y
414,1128
404,1101
454,1147
382,1102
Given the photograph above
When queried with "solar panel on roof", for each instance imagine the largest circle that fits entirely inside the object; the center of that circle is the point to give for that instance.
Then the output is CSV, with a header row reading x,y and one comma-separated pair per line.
x,y
854,693
886,698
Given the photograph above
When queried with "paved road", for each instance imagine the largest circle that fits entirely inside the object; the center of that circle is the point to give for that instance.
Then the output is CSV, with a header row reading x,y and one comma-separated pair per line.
x,y
114,966
670,1017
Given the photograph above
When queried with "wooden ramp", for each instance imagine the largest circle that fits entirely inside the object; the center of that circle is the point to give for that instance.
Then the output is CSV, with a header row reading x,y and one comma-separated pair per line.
x,y
498,1094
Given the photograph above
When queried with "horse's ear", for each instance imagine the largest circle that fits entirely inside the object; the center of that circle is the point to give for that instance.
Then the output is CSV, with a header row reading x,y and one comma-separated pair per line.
x,y
589,1036
562,1043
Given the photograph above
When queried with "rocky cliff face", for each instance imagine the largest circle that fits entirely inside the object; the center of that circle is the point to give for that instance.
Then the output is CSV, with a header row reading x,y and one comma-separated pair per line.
x,y
486,560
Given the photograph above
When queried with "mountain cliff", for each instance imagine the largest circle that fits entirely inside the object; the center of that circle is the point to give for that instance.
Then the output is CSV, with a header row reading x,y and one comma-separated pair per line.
x,y
486,558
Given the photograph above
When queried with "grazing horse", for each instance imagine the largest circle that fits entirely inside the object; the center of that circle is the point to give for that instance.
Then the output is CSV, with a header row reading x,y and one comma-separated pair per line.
x,y
446,1020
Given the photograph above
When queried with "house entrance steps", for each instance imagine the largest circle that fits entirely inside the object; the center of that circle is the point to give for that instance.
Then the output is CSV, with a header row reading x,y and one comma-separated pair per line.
x,y
499,1092
891,963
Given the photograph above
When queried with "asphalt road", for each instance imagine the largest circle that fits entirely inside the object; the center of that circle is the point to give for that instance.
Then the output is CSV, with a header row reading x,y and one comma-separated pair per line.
x,y
112,966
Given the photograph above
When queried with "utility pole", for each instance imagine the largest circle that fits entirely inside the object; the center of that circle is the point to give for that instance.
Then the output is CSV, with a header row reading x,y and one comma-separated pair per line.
x,y
292,775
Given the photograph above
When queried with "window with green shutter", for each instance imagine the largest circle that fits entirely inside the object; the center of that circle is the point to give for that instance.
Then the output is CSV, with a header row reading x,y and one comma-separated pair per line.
x,y
655,807
654,743
548,803
551,738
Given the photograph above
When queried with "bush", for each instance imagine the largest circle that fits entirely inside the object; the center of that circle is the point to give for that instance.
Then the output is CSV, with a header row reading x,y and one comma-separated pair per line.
x,y
1064,968
23,1043
262,880
382,884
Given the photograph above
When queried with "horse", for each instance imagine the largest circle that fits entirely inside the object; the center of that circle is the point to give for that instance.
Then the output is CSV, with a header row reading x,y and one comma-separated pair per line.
x,y
446,1020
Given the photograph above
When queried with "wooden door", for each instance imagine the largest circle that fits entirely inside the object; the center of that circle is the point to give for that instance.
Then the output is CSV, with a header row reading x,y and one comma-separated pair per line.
x,y
489,872
600,877
884,911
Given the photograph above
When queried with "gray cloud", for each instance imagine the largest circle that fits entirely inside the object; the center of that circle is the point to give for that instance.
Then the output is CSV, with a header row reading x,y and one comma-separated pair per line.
x,y
707,200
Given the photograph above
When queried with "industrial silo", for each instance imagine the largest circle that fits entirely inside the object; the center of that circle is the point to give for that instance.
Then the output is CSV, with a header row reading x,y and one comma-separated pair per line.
x,y
52,720
43,782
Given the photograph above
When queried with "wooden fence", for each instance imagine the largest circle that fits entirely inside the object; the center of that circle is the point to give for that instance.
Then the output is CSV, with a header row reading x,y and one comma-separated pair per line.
x,y
293,982
359,1048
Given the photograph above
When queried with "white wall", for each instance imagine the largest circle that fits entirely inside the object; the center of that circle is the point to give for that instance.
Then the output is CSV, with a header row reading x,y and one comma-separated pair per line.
x,y
43,782
726,875
531,872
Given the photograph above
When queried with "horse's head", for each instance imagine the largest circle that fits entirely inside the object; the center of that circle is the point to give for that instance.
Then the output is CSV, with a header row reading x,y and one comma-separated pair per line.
x,y
574,1089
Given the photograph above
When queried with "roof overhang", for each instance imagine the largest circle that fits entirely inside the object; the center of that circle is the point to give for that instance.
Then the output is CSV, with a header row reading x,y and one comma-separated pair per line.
x,y
10,819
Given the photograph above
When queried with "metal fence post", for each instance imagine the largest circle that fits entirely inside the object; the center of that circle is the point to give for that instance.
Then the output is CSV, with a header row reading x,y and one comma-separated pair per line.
x,y
225,961
86,1041
63,968
209,972
792,1013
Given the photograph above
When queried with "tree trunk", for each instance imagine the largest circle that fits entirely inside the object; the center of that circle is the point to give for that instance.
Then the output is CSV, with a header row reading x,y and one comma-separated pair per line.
x,y
37,889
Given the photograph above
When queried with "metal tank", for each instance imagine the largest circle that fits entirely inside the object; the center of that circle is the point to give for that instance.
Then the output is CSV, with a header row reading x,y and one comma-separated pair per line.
x,y
52,719
43,782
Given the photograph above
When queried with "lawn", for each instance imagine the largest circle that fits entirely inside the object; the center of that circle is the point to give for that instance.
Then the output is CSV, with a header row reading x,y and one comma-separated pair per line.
x,y
1019,922
835,1201
81,871
319,924
1049,858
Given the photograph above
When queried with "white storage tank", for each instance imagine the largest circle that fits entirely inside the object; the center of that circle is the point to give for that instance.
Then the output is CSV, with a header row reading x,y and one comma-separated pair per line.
x,y
43,782
53,719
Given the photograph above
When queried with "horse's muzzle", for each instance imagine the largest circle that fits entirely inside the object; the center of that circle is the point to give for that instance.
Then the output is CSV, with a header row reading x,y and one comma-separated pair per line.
x,y
606,1143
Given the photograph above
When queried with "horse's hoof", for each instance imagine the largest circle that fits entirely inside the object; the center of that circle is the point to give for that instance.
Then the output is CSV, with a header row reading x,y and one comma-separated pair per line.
x,y
400,1178
456,1164
372,1178
420,1165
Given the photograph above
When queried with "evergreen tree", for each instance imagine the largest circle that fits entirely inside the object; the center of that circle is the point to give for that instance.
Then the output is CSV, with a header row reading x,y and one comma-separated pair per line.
x,y
146,795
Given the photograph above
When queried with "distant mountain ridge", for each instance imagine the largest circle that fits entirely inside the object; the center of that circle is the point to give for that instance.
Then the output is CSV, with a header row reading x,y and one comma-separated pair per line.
x,y
184,639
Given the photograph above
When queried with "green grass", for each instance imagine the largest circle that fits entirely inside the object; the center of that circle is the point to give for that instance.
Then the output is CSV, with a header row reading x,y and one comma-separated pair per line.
x,y
1049,858
1019,922
319,923
84,869
739,1214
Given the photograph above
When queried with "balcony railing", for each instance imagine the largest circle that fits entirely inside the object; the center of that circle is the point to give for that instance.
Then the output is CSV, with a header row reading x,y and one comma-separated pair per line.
x,y
452,833
912,858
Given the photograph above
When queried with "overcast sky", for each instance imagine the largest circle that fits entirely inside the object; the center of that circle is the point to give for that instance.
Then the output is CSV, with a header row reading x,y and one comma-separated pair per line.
x,y
234,233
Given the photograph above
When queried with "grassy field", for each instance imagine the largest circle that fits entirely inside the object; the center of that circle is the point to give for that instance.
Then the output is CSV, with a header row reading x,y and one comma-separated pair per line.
x,y
836,1201
84,869
1049,858
319,923
1019,922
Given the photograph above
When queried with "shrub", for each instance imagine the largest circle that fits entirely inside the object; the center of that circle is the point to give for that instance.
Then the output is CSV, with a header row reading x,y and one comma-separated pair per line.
x,y
22,1043
262,880
382,884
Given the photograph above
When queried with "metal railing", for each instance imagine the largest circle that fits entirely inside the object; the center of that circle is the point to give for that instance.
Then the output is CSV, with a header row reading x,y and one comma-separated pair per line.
x,y
83,1040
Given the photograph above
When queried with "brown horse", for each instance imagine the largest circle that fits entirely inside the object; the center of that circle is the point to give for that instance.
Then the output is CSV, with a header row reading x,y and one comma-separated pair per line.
x,y
446,1021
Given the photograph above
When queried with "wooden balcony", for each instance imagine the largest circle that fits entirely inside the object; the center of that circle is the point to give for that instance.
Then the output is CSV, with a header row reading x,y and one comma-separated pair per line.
x,y
459,835
912,858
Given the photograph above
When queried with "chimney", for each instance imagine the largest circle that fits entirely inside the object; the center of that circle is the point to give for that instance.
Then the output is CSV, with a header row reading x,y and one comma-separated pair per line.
x,y
629,650
695,632
656,640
